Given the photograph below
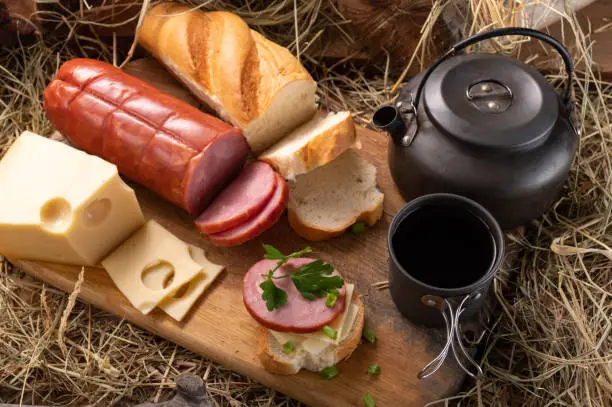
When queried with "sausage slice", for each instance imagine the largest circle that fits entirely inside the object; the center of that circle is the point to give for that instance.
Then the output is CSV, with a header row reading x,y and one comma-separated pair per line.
x,y
244,198
259,223
299,315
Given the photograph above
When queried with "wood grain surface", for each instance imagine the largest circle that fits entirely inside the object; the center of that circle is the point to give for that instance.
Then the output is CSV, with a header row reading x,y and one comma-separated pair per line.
x,y
219,327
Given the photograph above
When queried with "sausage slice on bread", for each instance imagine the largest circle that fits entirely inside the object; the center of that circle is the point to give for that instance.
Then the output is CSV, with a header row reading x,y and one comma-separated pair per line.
x,y
305,332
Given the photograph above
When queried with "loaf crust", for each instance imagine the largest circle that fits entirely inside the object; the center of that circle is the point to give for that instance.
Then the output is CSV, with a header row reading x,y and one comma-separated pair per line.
x,y
317,233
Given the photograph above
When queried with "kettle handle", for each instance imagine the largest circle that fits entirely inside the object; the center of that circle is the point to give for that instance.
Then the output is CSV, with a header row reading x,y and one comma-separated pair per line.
x,y
499,32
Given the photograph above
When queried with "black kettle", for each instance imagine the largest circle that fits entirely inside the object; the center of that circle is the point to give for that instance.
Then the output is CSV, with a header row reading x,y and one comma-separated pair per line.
x,y
484,126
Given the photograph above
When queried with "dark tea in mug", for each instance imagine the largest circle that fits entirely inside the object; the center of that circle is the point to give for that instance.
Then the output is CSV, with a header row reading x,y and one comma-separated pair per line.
x,y
444,246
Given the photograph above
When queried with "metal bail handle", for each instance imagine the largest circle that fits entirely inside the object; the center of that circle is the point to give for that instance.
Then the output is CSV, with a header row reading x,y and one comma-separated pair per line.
x,y
500,32
453,335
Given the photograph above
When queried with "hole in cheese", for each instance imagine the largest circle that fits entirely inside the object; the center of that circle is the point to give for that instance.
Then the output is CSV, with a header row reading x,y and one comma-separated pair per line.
x,y
96,212
197,254
187,288
55,214
180,293
158,276
168,280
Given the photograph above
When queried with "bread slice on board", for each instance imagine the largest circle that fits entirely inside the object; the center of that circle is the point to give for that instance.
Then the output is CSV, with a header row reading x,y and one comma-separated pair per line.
x,y
249,81
326,201
315,143
276,361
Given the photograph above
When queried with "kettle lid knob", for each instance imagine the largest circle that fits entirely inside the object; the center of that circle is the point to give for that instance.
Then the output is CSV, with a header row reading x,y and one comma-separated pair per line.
x,y
490,96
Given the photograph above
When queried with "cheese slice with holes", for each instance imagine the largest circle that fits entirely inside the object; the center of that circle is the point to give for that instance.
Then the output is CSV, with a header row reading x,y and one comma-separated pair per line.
x,y
178,305
316,342
151,266
61,204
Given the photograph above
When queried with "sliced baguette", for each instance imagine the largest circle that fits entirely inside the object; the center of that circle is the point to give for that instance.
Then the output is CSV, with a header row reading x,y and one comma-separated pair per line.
x,y
313,144
276,361
326,201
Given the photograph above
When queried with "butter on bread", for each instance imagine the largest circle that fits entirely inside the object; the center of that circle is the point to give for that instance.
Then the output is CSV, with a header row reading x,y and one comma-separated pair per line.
x,y
249,81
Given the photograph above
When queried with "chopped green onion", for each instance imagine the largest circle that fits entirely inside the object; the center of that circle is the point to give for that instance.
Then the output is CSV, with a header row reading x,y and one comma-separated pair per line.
x,y
358,228
330,300
369,334
288,348
368,400
374,370
329,372
330,332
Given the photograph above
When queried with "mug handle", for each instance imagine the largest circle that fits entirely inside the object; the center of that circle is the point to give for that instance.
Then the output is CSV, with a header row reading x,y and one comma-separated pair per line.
x,y
453,334
499,32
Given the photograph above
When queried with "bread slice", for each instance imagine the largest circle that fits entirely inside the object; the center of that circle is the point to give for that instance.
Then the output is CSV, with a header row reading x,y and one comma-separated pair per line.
x,y
276,361
248,80
313,144
326,201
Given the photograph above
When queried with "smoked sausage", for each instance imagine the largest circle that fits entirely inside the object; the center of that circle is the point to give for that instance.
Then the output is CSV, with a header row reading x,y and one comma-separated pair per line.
x,y
172,148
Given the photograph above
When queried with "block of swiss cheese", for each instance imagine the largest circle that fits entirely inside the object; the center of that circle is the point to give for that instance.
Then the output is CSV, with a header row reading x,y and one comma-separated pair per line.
x,y
60,204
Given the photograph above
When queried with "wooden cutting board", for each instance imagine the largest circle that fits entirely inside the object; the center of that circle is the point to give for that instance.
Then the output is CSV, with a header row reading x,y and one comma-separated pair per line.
x,y
219,327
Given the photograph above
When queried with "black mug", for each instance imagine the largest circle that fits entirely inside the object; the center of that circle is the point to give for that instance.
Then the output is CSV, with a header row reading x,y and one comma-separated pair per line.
x,y
444,251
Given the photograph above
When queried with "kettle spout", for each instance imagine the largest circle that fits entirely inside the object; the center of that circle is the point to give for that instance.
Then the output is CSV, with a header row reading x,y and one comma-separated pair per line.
x,y
387,118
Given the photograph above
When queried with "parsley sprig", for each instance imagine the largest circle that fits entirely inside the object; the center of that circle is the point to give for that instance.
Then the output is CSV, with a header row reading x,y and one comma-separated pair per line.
x,y
312,281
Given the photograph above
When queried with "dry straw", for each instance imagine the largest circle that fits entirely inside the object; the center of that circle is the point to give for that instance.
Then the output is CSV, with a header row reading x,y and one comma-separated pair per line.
x,y
548,344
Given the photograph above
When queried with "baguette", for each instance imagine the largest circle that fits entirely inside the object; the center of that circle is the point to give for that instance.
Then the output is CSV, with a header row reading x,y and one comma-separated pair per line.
x,y
276,361
313,144
246,79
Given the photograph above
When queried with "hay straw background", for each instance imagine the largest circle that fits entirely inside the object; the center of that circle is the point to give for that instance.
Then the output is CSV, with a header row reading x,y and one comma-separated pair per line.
x,y
549,343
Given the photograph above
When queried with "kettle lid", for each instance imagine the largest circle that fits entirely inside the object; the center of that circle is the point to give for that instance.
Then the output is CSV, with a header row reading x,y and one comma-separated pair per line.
x,y
491,100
